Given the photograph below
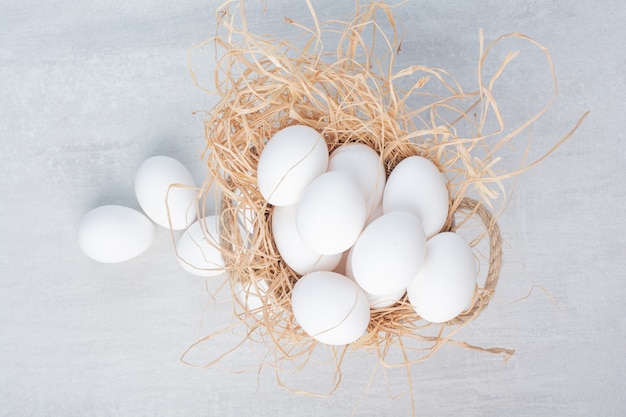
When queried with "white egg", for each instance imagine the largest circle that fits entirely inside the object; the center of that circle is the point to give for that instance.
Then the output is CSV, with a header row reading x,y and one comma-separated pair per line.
x,y
165,188
331,213
445,284
198,249
330,307
290,160
365,167
375,301
114,233
389,253
416,185
292,249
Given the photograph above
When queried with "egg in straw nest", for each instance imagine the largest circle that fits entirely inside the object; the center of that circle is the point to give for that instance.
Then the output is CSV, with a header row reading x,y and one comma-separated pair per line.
x,y
292,118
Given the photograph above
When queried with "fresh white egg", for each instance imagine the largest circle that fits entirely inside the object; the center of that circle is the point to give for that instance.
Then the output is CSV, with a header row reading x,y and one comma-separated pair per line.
x,y
292,248
389,253
375,301
166,190
365,167
445,284
331,213
416,185
114,233
198,249
330,307
290,160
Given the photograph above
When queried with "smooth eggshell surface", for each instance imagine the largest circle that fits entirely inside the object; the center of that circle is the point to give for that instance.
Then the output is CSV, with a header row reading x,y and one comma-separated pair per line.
x,y
331,213
197,249
330,307
114,233
416,185
292,249
365,167
290,160
388,253
445,284
375,301
154,184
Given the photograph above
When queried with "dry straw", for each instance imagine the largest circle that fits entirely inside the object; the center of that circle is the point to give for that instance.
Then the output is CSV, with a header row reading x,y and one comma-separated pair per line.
x,y
339,78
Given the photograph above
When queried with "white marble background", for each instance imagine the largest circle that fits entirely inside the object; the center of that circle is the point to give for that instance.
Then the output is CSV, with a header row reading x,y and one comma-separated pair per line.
x,y
90,89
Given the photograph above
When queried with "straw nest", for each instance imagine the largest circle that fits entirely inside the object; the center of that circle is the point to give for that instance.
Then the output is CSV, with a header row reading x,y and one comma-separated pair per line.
x,y
339,78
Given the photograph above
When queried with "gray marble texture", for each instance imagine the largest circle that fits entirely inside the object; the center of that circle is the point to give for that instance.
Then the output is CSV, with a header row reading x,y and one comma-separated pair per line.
x,y
88,90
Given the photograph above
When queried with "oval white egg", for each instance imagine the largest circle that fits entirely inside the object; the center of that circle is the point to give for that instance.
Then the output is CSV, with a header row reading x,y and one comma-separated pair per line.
x,y
330,307
114,233
366,169
290,160
165,190
198,251
416,185
389,253
331,213
292,249
375,301
445,284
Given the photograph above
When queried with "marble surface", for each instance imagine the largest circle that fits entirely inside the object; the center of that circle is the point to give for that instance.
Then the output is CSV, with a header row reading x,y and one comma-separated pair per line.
x,y
88,90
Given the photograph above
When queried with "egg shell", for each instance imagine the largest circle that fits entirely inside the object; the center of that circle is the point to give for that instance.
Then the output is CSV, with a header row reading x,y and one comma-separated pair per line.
x,y
445,284
331,213
157,193
330,307
416,185
292,249
290,160
113,233
197,249
366,169
375,301
389,253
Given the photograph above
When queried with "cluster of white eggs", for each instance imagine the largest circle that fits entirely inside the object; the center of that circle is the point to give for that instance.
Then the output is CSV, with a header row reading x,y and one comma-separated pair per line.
x,y
361,240
167,194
